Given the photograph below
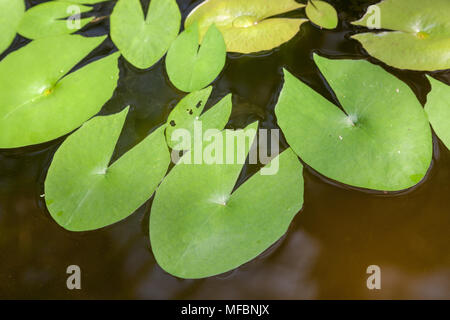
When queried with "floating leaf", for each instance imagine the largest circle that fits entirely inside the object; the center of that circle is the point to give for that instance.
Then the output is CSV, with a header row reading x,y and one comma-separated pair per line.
x,y
190,68
84,192
322,13
143,41
438,110
48,19
420,39
244,23
200,227
11,12
381,140
40,101
190,109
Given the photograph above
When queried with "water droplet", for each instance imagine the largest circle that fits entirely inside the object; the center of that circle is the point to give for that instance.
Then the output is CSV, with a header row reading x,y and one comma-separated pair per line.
x,y
245,21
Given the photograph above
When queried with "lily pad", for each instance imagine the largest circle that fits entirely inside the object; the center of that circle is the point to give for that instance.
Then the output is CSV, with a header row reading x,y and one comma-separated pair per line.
x,y
381,139
11,12
438,110
200,227
49,19
322,14
247,25
40,100
190,109
84,192
420,36
144,40
190,68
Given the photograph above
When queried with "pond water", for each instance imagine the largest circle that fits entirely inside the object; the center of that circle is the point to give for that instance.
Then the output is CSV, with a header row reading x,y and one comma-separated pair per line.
x,y
337,235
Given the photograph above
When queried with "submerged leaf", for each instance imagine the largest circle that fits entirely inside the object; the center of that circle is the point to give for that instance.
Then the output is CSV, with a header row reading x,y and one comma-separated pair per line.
x,y
200,227
322,13
84,192
144,40
11,12
420,36
190,109
438,110
381,140
247,25
40,100
48,19
190,68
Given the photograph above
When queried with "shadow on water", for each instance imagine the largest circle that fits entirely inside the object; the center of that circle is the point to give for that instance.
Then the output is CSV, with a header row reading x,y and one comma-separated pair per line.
x,y
337,235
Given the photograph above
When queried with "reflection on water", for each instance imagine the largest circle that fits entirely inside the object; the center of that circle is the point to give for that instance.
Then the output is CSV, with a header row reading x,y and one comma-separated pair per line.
x,y
431,285
337,235
284,273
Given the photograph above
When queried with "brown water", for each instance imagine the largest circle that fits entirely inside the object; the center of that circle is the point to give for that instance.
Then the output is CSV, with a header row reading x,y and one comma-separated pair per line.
x,y
337,235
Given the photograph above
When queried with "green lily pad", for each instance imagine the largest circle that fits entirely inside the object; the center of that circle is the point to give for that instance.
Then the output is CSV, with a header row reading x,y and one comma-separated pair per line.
x,y
190,68
247,25
381,139
420,36
48,19
11,12
40,101
200,227
322,13
144,40
438,110
84,192
190,109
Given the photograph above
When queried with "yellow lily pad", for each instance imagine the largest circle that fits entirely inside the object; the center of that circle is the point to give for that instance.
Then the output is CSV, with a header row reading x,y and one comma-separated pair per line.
x,y
247,25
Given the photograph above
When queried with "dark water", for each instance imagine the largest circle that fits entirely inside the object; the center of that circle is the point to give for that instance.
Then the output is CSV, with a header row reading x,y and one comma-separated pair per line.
x,y
337,235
